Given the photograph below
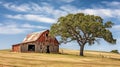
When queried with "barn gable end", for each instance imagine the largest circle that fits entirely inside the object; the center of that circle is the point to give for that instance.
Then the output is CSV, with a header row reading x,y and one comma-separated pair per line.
x,y
38,42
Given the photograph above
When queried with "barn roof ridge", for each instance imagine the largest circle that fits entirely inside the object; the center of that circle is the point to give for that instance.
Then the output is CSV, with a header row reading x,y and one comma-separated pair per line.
x,y
38,32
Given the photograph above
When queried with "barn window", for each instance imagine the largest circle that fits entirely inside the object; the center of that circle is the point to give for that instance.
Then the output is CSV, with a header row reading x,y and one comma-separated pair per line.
x,y
31,47
46,35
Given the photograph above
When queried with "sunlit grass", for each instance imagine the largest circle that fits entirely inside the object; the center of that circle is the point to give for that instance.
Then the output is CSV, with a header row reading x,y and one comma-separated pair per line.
x,y
66,58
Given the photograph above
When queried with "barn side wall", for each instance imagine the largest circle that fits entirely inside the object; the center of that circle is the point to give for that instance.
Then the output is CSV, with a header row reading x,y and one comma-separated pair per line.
x,y
49,41
40,47
16,48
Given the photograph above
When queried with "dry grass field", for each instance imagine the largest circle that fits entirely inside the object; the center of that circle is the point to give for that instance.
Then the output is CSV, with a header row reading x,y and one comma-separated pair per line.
x,y
68,58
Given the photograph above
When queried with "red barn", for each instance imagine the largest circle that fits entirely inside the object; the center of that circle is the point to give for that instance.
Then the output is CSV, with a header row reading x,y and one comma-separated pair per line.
x,y
38,42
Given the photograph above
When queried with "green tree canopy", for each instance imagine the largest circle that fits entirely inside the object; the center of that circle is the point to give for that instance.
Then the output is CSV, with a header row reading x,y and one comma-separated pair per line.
x,y
83,29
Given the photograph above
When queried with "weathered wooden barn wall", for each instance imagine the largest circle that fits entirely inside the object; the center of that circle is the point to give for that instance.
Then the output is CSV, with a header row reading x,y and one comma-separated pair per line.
x,y
43,44
41,47
16,48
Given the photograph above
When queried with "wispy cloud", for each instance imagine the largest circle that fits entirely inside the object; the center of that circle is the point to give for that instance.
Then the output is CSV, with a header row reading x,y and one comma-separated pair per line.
x,y
33,26
14,28
31,17
114,4
103,12
33,8
0,2
116,27
106,13
47,13
69,8
14,7
28,7
67,1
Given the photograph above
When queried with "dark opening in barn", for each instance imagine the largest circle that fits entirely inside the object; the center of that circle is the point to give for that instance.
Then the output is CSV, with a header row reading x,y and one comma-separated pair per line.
x,y
31,47
46,35
48,51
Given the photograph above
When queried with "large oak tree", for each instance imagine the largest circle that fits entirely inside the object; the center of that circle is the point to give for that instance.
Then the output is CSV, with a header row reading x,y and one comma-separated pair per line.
x,y
83,29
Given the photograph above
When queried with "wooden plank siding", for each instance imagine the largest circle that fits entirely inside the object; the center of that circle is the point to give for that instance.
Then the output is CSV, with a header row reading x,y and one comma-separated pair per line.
x,y
41,44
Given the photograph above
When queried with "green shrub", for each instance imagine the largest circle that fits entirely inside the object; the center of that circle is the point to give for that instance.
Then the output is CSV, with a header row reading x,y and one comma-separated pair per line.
x,y
115,51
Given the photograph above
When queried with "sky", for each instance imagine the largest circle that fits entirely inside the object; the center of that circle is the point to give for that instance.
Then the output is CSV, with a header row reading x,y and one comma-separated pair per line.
x,y
21,17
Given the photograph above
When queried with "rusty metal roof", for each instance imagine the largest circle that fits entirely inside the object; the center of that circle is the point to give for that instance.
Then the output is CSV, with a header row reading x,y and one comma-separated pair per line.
x,y
33,36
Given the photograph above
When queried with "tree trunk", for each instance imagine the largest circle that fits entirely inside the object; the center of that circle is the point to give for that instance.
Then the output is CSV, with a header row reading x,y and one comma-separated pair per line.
x,y
82,50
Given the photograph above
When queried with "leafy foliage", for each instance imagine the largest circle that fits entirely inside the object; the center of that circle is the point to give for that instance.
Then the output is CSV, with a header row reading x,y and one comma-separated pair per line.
x,y
82,28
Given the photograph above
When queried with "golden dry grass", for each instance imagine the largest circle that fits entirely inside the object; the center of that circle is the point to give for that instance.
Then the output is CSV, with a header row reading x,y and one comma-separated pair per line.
x,y
69,58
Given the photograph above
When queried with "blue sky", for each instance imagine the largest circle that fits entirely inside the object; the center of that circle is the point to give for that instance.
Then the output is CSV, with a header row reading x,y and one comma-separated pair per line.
x,y
20,17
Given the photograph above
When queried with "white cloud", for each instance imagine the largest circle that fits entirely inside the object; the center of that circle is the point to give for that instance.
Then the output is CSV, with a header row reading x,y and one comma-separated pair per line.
x,y
14,17
33,8
0,2
33,26
32,17
116,27
19,8
14,28
28,7
10,30
44,12
69,8
67,1
101,12
115,4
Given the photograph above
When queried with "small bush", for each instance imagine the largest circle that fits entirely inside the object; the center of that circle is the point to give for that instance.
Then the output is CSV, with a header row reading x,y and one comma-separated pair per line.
x,y
115,51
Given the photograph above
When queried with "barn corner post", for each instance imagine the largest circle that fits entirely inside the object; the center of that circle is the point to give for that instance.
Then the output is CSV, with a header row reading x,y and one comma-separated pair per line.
x,y
12,49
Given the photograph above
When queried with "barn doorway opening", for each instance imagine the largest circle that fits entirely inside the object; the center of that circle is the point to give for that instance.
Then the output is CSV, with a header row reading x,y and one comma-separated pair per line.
x,y
31,47
48,51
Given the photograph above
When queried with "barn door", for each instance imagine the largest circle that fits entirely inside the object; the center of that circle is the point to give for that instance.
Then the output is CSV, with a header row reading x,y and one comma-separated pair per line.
x,y
47,50
31,47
